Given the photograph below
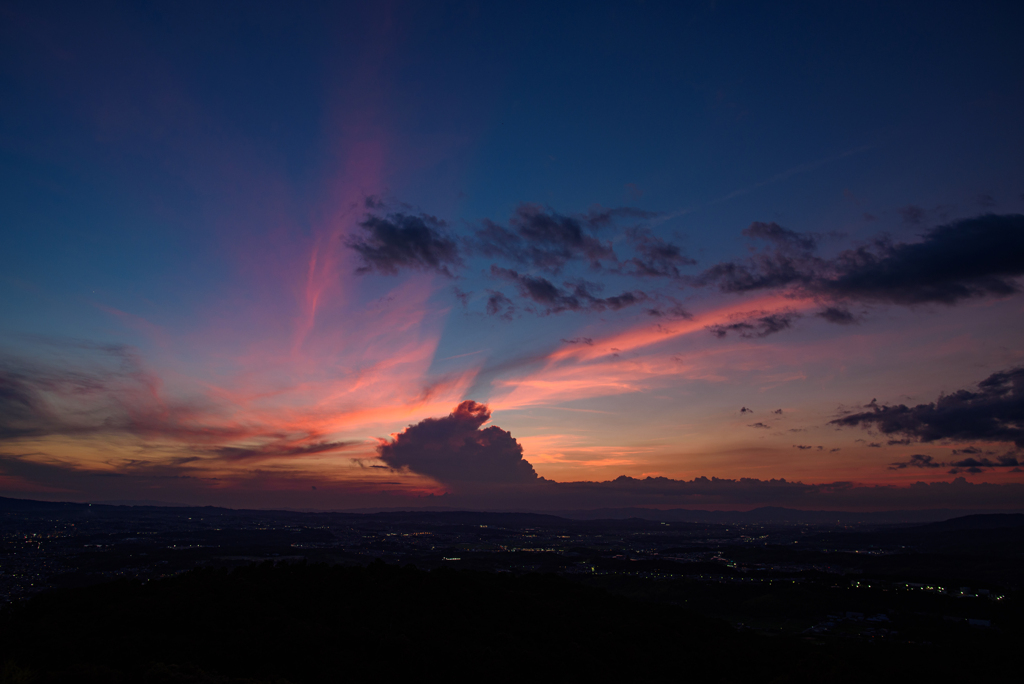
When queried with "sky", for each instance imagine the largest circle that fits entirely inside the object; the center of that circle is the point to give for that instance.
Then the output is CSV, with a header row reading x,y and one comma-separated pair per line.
x,y
513,256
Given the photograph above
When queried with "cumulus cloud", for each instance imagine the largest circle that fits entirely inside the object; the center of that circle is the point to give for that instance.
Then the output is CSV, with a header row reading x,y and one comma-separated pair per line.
x,y
455,450
396,241
993,413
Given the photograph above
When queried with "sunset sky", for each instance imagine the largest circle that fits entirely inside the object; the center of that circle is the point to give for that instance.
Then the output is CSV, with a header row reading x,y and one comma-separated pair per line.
x,y
259,254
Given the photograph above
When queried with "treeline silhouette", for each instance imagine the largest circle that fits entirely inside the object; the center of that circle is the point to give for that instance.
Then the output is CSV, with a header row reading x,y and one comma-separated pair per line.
x,y
300,623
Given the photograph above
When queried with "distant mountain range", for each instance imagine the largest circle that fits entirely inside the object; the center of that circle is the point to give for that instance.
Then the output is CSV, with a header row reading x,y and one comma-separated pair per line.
x,y
951,518
776,515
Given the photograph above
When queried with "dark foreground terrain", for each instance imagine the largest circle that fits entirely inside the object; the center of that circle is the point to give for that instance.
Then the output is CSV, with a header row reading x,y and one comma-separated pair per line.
x,y
317,623
114,593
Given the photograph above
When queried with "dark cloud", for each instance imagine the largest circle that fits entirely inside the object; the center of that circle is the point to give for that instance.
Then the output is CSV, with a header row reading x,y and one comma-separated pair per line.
x,y
655,257
539,239
985,200
979,465
784,238
788,261
500,305
760,425
915,461
837,315
761,324
398,241
746,410
912,214
970,258
580,340
994,413
802,447
576,296
463,297
763,271
977,257
777,412
273,450
547,240
455,450
671,311
966,465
